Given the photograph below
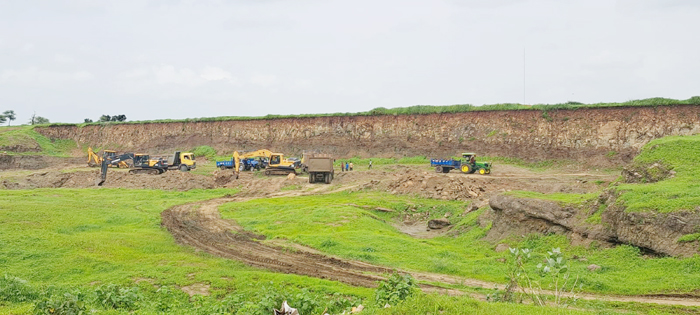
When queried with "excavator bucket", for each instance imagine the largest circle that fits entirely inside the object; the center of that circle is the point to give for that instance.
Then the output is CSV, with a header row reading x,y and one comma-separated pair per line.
x,y
103,173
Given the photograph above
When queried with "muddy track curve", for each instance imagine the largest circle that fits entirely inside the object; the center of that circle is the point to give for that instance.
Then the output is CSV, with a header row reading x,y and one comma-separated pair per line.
x,y
200,225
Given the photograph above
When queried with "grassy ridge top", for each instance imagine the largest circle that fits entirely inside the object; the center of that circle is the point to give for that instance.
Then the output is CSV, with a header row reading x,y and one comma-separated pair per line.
x,y
25,140
425,109
682,191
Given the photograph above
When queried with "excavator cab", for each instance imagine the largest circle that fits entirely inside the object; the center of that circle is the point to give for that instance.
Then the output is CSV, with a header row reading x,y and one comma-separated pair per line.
x,y
143,164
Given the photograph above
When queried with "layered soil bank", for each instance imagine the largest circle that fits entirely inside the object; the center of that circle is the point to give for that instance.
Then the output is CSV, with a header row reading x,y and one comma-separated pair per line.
x,y
653,232
596,136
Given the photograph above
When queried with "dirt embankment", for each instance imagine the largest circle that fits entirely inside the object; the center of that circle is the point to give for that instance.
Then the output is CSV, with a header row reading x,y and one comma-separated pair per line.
x,y
655,233
595,136
35,162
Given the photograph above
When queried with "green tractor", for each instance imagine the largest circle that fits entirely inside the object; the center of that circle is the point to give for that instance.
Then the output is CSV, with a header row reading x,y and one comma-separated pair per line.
x,y
467,164
470,165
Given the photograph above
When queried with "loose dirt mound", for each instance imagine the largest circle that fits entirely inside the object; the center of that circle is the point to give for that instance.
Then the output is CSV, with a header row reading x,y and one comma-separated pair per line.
x,y
115,178
437,186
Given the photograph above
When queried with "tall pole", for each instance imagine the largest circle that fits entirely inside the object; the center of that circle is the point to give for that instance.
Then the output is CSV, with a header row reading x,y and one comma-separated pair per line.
x,y
524,76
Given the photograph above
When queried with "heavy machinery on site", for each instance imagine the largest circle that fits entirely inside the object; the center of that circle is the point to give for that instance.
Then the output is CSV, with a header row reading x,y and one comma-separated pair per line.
x,y
277,164
183,161
319,166
113,159
144,164
467,164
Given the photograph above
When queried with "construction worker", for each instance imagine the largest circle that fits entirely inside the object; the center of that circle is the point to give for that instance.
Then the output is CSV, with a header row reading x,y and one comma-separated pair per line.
x,y
370,165
351,166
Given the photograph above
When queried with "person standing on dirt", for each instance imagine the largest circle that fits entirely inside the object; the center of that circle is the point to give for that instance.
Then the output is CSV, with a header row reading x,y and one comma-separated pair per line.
x,y
346,166
370,165
351,166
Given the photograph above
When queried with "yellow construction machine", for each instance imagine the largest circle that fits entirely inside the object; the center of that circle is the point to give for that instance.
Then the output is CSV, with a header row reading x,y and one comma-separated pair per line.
x,y
277,164
144,164
113,159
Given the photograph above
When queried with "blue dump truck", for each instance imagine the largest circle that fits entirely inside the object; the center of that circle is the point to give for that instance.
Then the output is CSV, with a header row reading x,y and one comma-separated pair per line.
x,y
246,164
467,164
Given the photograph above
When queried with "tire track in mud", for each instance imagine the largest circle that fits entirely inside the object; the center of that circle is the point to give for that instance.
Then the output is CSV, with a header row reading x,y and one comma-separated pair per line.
x,y
200,225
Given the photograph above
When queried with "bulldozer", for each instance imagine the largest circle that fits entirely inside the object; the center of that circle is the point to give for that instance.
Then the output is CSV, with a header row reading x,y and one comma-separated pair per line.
x,y
144,164
277,164
111,157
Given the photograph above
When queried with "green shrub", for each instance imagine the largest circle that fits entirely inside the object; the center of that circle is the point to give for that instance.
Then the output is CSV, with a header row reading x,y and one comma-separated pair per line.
x,y
205,151
116,297
395,289
66,304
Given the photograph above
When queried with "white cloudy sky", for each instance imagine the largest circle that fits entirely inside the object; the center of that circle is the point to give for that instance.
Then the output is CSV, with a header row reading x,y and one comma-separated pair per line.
x,y
72,59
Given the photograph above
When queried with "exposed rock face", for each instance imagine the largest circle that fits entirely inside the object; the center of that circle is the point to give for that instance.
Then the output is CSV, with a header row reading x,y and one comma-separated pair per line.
x,y
522,216
584,134
438,223
651,231
655,231
639,173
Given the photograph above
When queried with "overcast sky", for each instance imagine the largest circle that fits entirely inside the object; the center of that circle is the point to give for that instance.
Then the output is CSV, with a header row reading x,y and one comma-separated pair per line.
x,y
75,59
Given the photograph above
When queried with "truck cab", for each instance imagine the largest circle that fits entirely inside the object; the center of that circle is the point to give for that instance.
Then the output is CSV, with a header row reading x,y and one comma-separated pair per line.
x,y
184,161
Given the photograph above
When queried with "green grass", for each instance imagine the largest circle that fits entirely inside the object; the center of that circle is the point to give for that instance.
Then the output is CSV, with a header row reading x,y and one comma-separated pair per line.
x,y
72,238
25,136
682,153
204,151
689,237
428,109
64,240
329,224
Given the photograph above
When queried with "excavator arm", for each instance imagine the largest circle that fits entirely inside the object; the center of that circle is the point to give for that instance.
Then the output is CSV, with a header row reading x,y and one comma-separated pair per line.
x,y
93,158
237,158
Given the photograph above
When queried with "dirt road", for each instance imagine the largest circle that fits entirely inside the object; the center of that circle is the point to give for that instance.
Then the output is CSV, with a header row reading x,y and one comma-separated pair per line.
x,y
200,225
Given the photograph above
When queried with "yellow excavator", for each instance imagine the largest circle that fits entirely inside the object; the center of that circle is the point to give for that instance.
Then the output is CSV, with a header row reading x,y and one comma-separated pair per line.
x,y
113,159
277,164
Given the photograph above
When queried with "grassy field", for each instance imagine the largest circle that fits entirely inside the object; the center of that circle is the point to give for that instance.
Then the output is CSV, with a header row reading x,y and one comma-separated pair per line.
x,y
330,223
682,192
70,246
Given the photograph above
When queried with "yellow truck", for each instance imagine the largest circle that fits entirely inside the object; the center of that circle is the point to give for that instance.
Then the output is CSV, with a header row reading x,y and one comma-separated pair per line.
x,y
183,161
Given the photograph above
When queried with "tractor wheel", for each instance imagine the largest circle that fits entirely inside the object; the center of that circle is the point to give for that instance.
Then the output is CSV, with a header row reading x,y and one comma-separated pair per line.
x,y
184,168
438,169
222,167
488,171
482,171
465,169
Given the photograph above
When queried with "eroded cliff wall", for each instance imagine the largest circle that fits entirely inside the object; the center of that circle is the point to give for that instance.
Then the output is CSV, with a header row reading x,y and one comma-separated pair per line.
x,y
599,136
